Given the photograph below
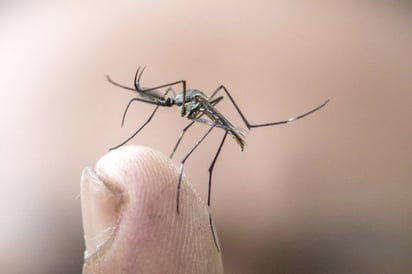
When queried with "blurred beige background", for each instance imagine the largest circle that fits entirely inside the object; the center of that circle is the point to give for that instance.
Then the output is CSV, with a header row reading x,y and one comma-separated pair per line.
x,y
327,194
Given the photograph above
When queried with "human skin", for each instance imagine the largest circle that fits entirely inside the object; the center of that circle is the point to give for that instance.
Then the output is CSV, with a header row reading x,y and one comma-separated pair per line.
x,y
130,220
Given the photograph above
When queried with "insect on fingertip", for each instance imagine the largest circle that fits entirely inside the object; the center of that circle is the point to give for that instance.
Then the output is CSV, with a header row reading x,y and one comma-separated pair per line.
x,y
194,104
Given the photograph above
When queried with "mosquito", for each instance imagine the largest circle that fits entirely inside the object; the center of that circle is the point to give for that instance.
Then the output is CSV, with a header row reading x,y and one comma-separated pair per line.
x,y
198,108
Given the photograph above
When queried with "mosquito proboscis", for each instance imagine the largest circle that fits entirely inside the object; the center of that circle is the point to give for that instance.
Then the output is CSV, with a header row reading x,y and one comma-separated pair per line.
x,y
199,108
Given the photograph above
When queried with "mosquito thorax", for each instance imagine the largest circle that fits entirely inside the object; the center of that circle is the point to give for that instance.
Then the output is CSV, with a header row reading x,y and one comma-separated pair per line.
x,y
191,102
191,95
189,109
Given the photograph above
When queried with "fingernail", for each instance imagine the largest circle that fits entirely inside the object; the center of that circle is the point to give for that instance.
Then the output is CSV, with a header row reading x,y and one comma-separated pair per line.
x,y
100,211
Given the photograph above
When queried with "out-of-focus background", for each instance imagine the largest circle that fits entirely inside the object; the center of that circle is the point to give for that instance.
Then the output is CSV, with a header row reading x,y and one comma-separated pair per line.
x,y
327,194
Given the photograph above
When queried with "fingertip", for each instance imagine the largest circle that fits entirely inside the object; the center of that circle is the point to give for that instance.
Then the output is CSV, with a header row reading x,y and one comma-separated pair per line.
x,y
150,236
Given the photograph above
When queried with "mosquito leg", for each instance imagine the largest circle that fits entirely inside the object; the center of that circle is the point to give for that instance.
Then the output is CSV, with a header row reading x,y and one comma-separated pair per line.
x,y
213,102
137,99
138,89
210,123
182,163
117,84
137,131
180,138
182,82
212,165
249,125
126,109
148,120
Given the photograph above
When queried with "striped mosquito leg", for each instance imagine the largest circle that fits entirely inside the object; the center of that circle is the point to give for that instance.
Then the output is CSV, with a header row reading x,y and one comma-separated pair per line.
x,y
212,102
212,165
182,163
137,131
249,125
180,138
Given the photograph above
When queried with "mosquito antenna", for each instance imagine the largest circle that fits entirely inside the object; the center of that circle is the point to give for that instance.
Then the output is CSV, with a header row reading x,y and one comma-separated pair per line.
x,y
137,77
212,102
141,73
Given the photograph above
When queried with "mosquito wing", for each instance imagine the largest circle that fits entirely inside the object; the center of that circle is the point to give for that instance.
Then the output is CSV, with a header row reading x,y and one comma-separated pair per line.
x,y
218,118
